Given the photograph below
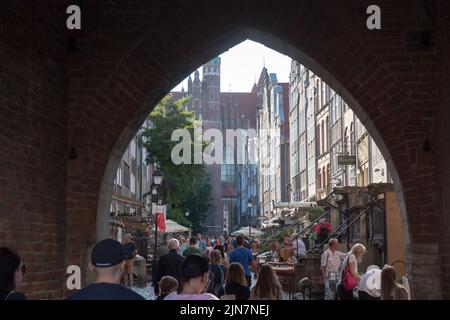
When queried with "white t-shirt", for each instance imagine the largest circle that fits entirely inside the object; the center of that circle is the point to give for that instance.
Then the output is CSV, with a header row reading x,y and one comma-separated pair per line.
x,y
301,248
331,261
371,283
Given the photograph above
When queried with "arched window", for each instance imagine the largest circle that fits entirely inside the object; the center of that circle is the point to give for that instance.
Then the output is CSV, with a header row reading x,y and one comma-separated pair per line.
x,y
346,146
352,134
324,178
319,179
318,140
328,174
327,125
323,136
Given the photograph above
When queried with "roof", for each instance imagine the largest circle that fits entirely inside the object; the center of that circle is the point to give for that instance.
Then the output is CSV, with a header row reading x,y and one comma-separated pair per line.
x,y
273,77
176,95
246,102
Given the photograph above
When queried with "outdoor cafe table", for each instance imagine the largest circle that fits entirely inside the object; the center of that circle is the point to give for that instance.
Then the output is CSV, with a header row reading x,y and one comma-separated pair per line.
x,y
285,270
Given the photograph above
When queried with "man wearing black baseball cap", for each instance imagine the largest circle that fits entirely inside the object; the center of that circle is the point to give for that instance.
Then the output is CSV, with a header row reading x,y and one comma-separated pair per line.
x,y
108,264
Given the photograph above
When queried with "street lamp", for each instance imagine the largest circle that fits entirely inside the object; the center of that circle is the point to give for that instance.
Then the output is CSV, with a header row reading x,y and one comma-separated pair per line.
x,y
157,177
157,180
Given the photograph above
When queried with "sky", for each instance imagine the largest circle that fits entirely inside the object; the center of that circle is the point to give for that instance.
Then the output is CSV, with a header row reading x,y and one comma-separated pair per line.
x,y
242,64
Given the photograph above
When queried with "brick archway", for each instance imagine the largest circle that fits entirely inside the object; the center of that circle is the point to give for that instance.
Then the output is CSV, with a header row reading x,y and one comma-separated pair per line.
x,y
149,66
129,54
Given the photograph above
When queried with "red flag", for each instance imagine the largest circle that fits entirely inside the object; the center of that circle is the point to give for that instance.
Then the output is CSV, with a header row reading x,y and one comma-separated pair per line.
x,y
161,221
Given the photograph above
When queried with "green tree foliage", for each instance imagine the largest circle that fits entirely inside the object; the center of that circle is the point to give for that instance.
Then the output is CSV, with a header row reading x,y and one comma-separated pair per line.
x,y
186,187
199,202
178,216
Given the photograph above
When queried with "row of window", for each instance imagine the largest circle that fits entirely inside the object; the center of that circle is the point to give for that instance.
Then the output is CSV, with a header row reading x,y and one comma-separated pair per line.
x,y
323,177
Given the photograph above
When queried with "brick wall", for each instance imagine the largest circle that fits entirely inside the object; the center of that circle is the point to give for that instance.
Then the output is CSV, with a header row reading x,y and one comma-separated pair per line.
x,y
131,53
442,138
33,137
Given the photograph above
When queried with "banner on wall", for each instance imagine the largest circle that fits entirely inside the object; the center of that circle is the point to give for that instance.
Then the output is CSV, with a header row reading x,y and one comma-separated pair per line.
x,y
160,216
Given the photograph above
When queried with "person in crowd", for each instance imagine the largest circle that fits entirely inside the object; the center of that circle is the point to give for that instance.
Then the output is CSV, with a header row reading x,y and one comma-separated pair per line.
x,y
369,285
256,245
267,286
192,247
183,245
195,275
201,243
169,264
233,243
247,243
286,251
12,272
218,269
130,254
350,265
209,248
221,248
168,285
108,259
245,257
329,266
227,244
298,247
274,250
235,283
390,288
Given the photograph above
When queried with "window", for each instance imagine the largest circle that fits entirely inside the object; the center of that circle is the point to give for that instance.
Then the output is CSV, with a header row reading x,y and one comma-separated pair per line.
x,y
328,175
319,179
352,134
318,140
133,148
323,136
227,172
326,133
324,178
133,183
119,177
126,175
347,147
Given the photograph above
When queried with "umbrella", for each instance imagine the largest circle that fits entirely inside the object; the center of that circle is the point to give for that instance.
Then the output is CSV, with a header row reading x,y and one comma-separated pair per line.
x,y
245,231
173,227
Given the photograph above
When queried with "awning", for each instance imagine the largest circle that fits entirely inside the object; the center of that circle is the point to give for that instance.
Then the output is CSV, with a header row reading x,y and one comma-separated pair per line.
x,y
173,227
245,231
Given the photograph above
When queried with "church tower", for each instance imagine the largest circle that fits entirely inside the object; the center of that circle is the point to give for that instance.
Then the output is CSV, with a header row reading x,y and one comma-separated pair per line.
x,y
196,94
211,86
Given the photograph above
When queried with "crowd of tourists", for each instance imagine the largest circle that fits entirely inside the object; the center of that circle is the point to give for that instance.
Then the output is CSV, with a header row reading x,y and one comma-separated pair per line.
x,y
343,281
202,268
211,269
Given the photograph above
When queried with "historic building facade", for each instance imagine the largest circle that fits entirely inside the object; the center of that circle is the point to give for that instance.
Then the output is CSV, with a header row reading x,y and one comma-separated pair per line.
x,y
133,180
273,143
231,180
329,146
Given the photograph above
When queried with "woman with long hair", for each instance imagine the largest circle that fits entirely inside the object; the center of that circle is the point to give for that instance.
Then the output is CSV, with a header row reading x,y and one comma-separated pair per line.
x,y
235,283
11,275
268,286
218,269
348,272
390,288
195,279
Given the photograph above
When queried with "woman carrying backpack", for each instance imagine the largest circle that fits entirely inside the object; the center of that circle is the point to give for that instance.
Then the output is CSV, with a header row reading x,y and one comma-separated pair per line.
x,y
218,269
